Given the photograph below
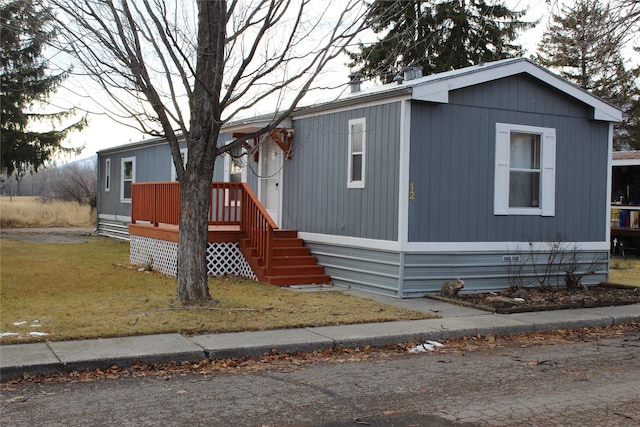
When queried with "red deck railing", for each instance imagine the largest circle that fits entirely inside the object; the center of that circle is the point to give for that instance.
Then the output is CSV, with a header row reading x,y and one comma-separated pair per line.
x,y
159,203
232,203
156,203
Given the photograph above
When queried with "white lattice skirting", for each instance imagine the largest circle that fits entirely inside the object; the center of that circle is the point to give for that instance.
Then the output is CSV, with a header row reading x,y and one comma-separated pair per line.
x,y
222,258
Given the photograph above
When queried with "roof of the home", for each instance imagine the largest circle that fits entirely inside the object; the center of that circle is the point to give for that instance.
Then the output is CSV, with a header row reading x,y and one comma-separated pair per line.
x,y
432,88
436,87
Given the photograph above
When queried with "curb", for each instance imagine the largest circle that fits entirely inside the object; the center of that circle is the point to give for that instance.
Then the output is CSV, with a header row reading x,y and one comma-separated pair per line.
x,y
78,356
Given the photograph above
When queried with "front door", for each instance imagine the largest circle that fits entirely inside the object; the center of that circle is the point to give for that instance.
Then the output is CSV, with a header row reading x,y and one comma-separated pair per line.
x,y
271,158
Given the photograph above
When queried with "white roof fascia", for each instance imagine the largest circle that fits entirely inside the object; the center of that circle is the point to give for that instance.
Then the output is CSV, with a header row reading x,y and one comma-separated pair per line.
x,y
253,125
156,140
340,107
437,90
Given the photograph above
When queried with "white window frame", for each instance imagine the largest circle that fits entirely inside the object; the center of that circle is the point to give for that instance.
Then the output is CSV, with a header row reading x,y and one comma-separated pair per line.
x,y
227,174
547,203
107,174
350,182
174,174
123,179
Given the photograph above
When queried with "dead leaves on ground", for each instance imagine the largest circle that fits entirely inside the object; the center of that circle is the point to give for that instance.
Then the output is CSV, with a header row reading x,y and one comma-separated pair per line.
x,y
274,360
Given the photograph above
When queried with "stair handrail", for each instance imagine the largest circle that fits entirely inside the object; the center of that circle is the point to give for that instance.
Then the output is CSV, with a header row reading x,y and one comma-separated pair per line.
x,y
258,226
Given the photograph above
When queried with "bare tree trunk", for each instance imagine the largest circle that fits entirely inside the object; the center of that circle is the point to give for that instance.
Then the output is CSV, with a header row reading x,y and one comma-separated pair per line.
x,y
195,182
192,241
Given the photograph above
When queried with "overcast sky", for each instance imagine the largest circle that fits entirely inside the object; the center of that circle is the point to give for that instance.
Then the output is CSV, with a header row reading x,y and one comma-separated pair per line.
x,y
103,133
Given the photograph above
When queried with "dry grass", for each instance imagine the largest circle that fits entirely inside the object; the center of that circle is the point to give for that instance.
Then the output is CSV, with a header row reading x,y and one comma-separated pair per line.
x,y
32,212
625,271
88,290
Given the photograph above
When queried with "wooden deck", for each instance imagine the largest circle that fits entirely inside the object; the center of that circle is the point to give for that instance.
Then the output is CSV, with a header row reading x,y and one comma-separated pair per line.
x,y
276,256
169,232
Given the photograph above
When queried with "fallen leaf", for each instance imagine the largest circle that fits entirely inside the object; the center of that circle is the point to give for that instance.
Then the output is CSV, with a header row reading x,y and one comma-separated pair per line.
x,y
17,399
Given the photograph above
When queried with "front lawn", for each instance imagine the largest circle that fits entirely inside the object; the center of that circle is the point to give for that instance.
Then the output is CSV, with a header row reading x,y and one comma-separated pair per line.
x,y
64,291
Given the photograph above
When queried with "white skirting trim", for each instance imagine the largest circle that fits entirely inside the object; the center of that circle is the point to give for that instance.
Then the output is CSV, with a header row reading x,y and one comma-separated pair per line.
x,y
162,256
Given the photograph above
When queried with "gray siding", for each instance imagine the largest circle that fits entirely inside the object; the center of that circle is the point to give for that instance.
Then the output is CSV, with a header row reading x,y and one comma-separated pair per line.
x,y
452,166
424,273
373,270
418,274
316,198
153,163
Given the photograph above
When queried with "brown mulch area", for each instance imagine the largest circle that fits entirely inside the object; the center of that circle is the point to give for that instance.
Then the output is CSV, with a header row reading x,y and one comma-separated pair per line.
x,y
537,299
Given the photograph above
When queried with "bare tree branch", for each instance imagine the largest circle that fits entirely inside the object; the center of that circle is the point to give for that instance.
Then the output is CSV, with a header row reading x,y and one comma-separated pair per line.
x,y
184,83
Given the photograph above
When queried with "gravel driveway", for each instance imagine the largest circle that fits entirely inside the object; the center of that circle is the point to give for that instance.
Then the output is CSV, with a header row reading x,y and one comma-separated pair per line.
x,y
49,235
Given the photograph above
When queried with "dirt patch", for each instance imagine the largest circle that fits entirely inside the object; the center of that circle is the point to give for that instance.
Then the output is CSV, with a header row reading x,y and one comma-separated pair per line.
x,y
538,299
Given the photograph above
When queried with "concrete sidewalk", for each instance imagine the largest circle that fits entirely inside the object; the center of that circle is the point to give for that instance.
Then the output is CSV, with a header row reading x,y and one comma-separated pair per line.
x,y
455,321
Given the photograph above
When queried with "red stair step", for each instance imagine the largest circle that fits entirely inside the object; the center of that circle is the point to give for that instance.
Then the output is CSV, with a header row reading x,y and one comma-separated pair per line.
x,y
281,261
285,234
297,251
297,270
287,242
292,264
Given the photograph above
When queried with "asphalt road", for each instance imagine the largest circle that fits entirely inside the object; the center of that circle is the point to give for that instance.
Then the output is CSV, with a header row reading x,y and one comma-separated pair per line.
x,y
587,383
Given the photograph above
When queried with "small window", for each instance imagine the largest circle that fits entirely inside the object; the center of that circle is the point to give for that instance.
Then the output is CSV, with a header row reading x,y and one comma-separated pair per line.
x,y
183,155
107,175
235,170
128,177
525,170
357,153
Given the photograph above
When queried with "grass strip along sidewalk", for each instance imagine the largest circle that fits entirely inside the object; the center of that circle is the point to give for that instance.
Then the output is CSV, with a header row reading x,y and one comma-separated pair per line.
x,y
62,291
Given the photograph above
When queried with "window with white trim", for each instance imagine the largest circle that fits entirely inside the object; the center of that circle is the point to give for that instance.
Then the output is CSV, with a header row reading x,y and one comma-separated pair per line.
x,y
235,170
107,174
357,153
183,155
128,177
525,170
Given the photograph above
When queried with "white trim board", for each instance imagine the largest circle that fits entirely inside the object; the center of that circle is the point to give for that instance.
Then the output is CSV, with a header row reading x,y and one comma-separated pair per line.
x,y
439,247
488,247
625,162
350,107
404,169
109,217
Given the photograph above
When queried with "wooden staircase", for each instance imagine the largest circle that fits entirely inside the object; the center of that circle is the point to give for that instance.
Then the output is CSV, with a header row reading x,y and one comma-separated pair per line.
x,y
276,256
291,263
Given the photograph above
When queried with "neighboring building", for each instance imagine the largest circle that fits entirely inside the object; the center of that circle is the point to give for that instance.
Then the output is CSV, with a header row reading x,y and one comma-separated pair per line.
x,y
401,187
625,200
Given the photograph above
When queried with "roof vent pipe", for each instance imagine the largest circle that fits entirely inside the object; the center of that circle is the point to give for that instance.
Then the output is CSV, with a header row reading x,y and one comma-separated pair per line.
x,y
355,79
398,79
411,73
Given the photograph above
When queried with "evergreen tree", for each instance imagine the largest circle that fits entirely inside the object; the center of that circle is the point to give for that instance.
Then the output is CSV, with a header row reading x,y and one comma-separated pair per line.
x,y
437,35
584,44
24,83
